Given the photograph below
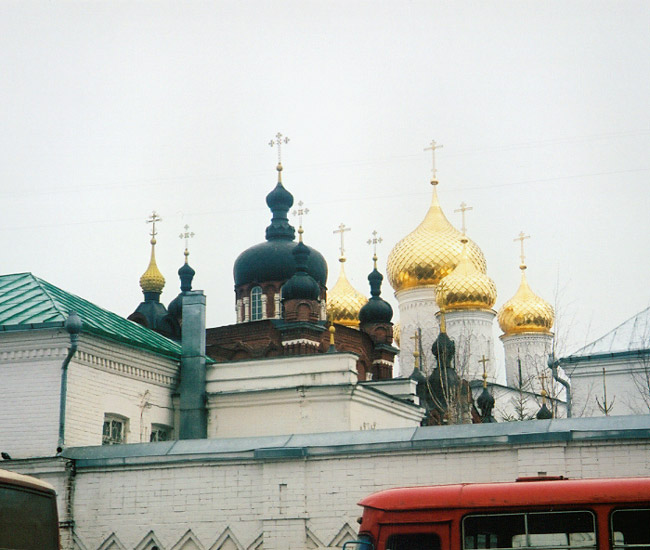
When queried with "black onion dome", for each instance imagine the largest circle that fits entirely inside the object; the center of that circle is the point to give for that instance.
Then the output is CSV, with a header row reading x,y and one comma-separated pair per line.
x,y
485,401
186,274
273,260
301,285
376,310
543,413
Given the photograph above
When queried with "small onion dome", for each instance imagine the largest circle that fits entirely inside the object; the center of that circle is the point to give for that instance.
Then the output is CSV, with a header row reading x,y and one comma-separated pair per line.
x,y
301,285
525,311
443,349
430,252
466,287
485,402
544,413
396,333
186,274
344,302
152,279
272,260
377,310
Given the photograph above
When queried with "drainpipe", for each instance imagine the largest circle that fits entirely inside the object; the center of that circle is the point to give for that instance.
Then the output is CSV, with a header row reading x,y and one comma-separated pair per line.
x,y
193,417
73,325
553,365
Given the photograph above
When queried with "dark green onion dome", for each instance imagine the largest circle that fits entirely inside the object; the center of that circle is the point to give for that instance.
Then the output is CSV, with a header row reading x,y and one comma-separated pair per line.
x,y
273,260
301,285
376,310
186,274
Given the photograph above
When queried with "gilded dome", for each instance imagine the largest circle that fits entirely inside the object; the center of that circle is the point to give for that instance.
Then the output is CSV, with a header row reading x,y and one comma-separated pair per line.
x,y
466,287
344,302
525,311
430,252
152,279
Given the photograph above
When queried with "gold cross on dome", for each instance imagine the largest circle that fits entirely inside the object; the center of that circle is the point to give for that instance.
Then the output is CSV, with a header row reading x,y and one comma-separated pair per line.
x,y
374,242
153,219
279,140
342,229
521,238
187,235
433,148
463,208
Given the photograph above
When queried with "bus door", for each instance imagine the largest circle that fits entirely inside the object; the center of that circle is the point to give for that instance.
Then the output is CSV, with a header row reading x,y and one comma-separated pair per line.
x,y
415,536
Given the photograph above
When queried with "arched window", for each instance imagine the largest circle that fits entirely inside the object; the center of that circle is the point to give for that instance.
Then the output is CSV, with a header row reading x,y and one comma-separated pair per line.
x,y
256,303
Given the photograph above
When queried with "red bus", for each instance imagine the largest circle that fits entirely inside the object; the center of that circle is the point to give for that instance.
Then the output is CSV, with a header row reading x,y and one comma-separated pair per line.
x,y
529,514
28,516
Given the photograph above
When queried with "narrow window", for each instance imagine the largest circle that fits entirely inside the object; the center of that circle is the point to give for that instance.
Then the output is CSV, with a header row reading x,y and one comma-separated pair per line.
x,y
413,541
256,303
114,430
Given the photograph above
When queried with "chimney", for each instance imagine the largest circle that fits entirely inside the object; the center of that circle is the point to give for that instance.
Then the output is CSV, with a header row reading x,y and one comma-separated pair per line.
x,y
193,417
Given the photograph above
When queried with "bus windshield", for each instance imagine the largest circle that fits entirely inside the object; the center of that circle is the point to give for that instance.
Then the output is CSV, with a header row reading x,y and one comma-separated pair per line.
x,y
28,517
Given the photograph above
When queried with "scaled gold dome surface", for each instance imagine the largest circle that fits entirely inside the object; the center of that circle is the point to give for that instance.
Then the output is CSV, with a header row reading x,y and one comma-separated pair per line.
x,y
344,302
430,252
466,288
525,312
152,279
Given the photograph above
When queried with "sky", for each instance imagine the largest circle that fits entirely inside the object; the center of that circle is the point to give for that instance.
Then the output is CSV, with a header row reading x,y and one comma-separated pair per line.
x,y
110,110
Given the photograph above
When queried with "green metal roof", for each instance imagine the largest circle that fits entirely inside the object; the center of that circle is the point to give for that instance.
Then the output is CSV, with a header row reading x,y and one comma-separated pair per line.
x,y
27,303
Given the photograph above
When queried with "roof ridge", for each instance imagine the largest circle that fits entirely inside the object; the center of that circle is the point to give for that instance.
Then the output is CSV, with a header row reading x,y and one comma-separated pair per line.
x,y
612,331
43,286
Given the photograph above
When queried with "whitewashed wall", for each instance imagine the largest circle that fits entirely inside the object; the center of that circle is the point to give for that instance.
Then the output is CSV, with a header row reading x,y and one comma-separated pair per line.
x,y
304,502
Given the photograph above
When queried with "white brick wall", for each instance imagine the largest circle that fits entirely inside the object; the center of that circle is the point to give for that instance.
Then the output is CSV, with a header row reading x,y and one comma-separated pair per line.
x,y
300,503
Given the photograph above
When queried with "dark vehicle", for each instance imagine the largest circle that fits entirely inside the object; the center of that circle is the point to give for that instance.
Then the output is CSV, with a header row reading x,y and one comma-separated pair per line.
x,y
28,516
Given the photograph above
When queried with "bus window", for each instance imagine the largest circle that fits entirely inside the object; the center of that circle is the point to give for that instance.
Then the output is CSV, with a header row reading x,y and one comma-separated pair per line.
x,y
28,519
630,528
543,530
413,541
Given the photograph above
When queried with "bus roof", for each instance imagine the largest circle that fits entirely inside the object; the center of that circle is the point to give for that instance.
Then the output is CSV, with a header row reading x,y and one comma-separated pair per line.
x,y
12,478
540,492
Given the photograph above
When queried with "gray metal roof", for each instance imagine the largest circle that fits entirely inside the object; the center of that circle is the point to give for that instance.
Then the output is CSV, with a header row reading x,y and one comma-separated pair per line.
x,y
632,335
360,442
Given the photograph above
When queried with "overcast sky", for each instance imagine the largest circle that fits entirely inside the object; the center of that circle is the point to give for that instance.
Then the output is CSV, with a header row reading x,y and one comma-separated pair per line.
x,y
110,110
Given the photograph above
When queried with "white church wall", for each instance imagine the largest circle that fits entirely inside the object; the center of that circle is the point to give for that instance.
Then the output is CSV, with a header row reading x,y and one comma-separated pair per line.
x,y
305,502
626,383
30,370
110,379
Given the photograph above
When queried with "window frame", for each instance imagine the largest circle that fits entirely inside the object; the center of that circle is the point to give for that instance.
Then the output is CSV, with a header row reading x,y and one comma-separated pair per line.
x,y
256,305
624,546
526,514
117,419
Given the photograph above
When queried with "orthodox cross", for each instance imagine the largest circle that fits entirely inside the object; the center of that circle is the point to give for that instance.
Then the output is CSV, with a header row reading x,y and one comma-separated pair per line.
x,y
416,348
152,220
433,148
279,140
542,379
374,242
342,229
521,238
187,235
463,208
300,212
484,360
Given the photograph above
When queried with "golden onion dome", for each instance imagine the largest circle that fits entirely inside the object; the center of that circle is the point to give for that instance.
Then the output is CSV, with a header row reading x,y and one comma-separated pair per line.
x,y
344,302
525,311
466,287
431,252
152,279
